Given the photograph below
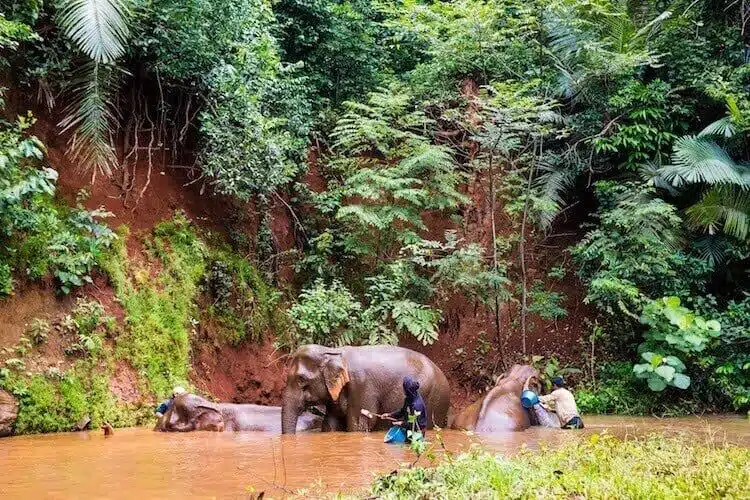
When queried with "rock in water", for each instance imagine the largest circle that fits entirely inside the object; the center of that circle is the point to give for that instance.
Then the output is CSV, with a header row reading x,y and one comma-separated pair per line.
x,y
83,423
8,413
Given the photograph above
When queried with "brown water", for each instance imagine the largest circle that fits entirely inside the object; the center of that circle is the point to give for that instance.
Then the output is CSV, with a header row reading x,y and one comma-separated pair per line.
x,y
139,463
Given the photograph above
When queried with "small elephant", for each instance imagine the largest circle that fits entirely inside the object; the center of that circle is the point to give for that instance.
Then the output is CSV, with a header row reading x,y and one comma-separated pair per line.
x,y
500,409
194,413
347,380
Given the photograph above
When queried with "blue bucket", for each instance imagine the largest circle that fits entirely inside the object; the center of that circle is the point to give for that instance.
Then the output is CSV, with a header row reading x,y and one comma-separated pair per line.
x,y
529,399
395,435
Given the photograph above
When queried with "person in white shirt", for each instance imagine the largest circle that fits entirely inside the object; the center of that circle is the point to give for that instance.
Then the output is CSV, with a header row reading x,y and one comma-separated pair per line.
x,y
564,405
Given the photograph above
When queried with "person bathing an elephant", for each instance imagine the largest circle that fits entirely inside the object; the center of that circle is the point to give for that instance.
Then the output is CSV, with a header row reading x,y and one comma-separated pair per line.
x,y
413,407
564,405
165,405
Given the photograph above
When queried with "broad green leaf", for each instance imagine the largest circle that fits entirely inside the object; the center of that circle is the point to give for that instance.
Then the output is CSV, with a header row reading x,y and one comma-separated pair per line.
x,y
672,302
713,325
681,381
642,368
666,372
648,356
656,360
656,384
675,362
694,339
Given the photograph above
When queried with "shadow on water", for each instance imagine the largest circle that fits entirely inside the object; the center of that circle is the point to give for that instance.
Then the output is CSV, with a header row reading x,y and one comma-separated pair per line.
x,y
139,463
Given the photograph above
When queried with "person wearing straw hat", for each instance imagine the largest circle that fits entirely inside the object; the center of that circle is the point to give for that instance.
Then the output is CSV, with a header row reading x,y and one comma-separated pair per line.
x,y
564,405
165,405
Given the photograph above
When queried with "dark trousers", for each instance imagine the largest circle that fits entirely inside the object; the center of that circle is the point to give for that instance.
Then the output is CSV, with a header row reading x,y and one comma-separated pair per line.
x,y
574,423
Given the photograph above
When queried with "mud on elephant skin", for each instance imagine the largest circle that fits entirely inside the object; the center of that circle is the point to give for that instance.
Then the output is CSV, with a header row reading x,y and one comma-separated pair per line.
x,y
500,409
194,413
348,379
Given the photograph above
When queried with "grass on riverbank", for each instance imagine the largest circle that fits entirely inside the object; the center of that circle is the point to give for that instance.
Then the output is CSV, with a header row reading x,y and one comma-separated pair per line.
x,y
598,467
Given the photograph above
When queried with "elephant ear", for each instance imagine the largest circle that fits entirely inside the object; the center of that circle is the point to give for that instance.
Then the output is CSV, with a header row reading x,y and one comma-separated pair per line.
x,y
336,374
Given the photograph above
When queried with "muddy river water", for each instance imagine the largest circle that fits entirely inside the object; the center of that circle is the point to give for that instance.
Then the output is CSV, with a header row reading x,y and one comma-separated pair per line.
x,y
139,463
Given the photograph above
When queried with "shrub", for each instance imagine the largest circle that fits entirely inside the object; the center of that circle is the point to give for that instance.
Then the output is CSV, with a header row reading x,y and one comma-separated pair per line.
x,y
245,305
159,310
37,235
600,466
324,314
38,330
89,323
615,393
59,401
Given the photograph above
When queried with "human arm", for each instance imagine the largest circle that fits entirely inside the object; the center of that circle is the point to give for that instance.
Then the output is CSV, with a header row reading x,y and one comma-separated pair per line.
x,y
549,398
546,400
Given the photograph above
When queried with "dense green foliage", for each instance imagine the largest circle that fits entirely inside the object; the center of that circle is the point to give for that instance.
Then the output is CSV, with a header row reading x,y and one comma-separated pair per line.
x,y
598,467
56,400
38,235
623,125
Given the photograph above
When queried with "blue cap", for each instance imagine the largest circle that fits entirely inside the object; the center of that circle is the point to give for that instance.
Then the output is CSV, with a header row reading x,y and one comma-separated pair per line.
x,y
558,381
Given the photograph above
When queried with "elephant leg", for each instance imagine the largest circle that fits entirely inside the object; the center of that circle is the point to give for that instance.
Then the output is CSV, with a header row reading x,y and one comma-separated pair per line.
x,y
356,422
333,423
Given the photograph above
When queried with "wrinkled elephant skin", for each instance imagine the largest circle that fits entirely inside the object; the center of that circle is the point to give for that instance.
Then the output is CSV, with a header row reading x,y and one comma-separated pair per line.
x,y
194,413
348,379
500,409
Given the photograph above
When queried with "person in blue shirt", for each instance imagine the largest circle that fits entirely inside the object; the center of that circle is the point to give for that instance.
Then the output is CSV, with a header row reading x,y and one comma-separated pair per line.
x,y
413,406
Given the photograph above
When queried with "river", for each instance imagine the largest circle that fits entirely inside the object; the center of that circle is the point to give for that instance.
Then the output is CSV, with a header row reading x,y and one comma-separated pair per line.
x,y
140,463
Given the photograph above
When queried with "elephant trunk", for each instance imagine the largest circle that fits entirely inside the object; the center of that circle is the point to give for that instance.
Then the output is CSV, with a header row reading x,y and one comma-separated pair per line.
x,y
290,412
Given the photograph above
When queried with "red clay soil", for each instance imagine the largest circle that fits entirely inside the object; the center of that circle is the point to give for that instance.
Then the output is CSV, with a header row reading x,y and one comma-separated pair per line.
x,y
124,382
250,373
35,300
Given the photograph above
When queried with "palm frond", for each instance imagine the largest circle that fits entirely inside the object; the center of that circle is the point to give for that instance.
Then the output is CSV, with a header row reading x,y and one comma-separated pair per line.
x,y
723,207
98,27
650,173
654,24
722,127
712,249
92,116
698,160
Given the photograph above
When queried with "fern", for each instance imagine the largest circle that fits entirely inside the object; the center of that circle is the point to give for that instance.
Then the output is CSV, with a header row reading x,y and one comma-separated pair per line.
x,y
416,319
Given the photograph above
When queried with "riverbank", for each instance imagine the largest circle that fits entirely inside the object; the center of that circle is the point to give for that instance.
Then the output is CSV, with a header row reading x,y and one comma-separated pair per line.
x,y
601,466
228,465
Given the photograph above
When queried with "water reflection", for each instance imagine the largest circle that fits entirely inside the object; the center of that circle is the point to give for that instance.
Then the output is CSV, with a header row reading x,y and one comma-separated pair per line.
x,y
140,463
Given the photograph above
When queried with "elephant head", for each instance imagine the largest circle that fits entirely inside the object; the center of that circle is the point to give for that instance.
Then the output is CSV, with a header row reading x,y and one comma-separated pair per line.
x,y
519,377
193,413
317,376
500,409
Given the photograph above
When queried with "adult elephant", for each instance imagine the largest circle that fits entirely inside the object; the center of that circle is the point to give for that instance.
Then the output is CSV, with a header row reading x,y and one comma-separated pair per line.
x,y
500,409
348,379
194,413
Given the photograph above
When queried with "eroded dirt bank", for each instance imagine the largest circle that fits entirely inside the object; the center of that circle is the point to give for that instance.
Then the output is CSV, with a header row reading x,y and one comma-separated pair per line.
x,y
470,348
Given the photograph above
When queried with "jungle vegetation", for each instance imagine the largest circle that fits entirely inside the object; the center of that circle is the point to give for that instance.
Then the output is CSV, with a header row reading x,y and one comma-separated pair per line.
x,y
627,123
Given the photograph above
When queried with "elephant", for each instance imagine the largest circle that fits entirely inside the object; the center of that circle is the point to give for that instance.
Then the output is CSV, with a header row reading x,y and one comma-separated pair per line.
x,y
500,409
347,380
194,413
